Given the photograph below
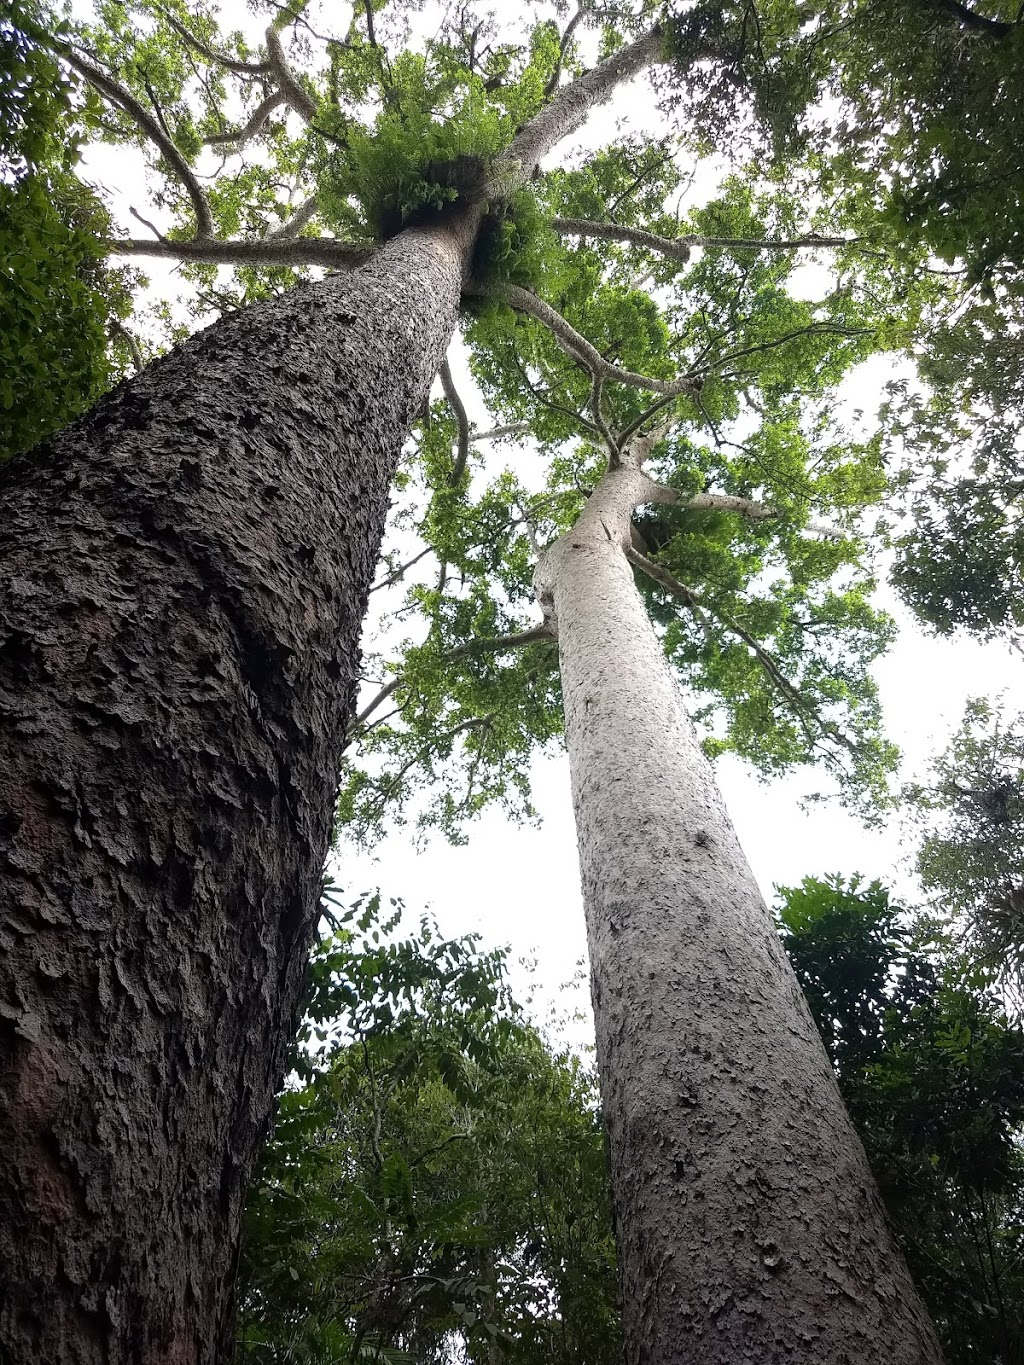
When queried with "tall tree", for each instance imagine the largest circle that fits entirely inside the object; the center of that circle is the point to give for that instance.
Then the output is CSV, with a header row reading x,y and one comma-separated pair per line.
x,y
744,581
969,818
223,645
185,571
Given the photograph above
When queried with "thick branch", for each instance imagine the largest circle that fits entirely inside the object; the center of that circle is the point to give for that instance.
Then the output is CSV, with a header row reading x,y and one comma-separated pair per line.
x,y
117,329
577,346
496,433
114,91
563,47
325,251
291,87
726,502
571,105
462,418
211,54
500,644
291,227
584,227
240,136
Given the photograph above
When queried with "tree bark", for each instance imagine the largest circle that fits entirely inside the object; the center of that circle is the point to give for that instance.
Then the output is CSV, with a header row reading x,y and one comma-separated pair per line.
x,y
748,1223
183,574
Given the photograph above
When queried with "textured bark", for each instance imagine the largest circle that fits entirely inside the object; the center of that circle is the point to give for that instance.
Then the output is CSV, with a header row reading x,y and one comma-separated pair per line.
x,y
182,578
748,1224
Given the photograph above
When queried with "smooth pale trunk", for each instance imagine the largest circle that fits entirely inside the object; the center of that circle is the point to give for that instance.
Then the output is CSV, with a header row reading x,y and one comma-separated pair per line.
x,y
749,1227
183,574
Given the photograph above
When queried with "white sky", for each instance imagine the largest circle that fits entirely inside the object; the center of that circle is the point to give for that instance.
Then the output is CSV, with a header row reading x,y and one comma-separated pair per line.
x,y
520,885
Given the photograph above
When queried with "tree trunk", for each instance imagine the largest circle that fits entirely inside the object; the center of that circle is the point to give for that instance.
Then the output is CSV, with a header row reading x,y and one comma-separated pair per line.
x,y
748,1223
184,572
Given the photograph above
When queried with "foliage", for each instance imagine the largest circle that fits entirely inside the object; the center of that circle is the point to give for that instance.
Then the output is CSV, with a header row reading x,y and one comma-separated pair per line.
x,y
59,299
924,88
932,1073
436,1182
961,542
971,818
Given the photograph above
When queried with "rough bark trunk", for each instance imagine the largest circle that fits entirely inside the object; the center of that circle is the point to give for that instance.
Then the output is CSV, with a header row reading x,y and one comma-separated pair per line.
x,y
748,1223
182,578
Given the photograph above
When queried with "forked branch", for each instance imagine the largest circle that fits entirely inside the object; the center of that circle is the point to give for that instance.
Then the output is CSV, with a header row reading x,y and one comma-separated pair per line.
x,y
292,88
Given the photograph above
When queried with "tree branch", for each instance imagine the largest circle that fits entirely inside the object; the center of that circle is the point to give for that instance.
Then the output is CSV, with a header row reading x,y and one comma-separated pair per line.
x,y
977,23
256,124
563,47
679,248
812,329
571,105
499,644
292,226
114,91
396,575
496,433
576,345
325,251
117,329
459,409
235,64
746,507
292,88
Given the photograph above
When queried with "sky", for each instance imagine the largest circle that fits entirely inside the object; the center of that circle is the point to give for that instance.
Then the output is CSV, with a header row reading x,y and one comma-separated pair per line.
x,y
519,885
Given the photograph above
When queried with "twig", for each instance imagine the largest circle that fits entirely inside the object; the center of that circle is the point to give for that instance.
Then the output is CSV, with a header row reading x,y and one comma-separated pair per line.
x,y
500,644
115,92
396,575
